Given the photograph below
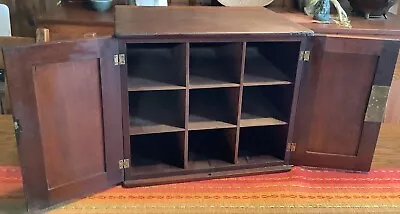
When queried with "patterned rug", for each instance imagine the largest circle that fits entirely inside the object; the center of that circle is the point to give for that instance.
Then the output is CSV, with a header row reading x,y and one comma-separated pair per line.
x,y
301,190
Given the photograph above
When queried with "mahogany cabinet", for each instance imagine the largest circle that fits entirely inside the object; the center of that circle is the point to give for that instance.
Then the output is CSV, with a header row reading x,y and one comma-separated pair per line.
x,y
223,92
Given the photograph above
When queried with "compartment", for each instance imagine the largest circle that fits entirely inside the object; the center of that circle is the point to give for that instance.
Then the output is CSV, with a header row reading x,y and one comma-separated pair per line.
x,y
211,148
156,111
157,153
156,66
271,63
215,65
213,108
262,145
266,105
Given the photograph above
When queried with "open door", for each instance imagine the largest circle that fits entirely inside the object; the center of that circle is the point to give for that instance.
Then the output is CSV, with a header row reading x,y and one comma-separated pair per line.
x,y
342,99
66,102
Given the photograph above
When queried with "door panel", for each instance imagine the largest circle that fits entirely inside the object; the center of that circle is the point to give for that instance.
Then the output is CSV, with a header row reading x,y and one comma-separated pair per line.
x,y
333,110
66,98
60,123
331,130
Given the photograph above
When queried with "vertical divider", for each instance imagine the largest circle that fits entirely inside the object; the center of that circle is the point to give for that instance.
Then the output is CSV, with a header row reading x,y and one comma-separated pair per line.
x,y
242,67
186,103
179,54
235,95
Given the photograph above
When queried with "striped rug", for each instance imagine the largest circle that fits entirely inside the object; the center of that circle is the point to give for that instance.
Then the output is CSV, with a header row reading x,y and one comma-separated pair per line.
x,y
301,190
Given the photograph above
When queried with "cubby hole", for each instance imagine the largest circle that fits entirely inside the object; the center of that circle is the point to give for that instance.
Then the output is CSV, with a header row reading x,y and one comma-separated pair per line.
x,y
215,65
156,111
157,153
262,144
156,66
271,63
266,105
211,148
213,108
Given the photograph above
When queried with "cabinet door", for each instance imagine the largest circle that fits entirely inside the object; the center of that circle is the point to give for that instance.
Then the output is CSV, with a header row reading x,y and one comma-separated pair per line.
x,y
342,98
66,101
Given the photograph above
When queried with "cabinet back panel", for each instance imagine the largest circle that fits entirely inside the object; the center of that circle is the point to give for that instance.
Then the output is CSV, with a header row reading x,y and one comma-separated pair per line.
x,y
343,90
65,108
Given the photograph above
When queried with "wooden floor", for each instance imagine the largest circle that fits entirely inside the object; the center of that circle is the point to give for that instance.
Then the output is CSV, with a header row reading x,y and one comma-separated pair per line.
x,y
386,154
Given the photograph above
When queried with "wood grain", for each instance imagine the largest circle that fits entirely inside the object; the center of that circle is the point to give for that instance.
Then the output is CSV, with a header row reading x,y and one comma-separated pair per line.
x,y
61,124
201,21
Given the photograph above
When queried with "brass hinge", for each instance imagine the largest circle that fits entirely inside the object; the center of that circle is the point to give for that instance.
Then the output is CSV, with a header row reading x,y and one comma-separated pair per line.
x,y
17,129
119,59
304,56
291,147
123,164
377,104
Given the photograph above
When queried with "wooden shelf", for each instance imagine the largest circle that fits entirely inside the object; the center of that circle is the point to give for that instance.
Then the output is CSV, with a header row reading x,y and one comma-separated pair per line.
x,y
260,71
197,82
156,112
154,168
139,126
243,162
254,79
158,152
212,65
200,103
143,84
197,122
156,67
211,146
211,109
258,111
258,143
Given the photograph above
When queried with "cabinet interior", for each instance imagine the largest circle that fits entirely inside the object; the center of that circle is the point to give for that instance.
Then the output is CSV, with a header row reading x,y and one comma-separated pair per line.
x,y
208,107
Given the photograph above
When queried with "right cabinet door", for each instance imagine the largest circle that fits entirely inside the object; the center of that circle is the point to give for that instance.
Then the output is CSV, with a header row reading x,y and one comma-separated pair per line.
x,y
342,98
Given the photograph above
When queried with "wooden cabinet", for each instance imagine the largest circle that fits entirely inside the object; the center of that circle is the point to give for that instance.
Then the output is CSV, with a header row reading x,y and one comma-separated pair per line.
x,y
201,99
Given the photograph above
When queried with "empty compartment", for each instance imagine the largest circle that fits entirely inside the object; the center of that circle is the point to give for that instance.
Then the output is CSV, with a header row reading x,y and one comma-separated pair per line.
x,y
266,105
271,63
156,66
215,64
262,145
213,108
156,111
157,153
211,148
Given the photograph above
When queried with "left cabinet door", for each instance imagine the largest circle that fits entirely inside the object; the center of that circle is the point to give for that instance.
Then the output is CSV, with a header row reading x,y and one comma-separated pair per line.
x,y
66,102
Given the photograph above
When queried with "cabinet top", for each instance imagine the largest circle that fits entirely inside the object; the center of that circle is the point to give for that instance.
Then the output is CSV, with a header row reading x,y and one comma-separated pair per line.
x,y
162,22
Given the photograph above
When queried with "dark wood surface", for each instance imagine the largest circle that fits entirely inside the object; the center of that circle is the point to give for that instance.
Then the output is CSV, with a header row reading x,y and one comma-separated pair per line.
x,y
198,21
330,127
75,14
64,113
360,25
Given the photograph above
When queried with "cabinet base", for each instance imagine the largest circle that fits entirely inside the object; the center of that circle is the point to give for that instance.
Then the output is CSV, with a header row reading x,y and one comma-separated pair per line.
x,y
205,176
